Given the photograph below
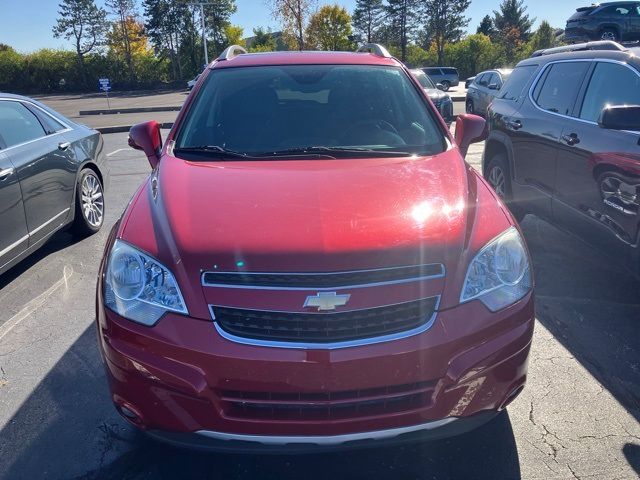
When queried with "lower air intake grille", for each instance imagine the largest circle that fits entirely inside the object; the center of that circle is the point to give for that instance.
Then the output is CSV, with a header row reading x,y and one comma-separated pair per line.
x,y
325,327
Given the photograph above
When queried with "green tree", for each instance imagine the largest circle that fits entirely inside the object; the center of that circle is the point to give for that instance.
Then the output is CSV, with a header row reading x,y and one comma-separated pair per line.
x,y
262,41
329,29
486,27
545,37
218,15
124,11
294,16
234,35
512,15
367,18
445,22
167,24
401,23
85,24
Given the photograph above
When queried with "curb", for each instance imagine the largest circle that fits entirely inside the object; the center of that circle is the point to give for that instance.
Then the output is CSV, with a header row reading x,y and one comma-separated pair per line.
x,y
126,128
115,111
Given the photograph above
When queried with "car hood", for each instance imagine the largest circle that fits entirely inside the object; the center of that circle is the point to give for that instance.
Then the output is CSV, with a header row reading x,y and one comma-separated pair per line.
x,y
312,215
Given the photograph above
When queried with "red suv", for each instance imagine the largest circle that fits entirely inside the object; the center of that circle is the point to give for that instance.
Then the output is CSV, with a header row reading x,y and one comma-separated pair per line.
x,y
311,263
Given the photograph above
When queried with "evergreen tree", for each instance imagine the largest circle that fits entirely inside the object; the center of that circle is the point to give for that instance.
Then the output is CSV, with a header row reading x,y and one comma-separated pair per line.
x,y
401,23
512,16
84,23
445,22
486,27
124,11
367,18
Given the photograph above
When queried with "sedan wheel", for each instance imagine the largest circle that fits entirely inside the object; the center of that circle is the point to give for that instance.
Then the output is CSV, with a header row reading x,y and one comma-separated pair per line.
x,y
89,204
470,106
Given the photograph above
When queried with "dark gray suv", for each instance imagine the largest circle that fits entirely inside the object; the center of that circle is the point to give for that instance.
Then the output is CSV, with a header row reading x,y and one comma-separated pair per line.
x,y
606,21
446,76
564,144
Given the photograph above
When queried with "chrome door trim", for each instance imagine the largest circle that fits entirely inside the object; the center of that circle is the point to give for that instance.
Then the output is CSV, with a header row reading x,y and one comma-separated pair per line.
x,y
13,245
36,230
325,440
333,345
590,60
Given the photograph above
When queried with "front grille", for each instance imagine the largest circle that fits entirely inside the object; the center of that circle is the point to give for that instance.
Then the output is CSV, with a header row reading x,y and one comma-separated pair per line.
x,y
322,280
325,327
327,405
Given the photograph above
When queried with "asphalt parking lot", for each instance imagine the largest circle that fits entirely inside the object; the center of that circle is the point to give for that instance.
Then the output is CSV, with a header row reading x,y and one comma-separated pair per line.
x,y
577,418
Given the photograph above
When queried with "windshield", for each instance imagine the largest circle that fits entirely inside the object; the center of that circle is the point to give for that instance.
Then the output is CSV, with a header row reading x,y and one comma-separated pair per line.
x,y
272,109
423,79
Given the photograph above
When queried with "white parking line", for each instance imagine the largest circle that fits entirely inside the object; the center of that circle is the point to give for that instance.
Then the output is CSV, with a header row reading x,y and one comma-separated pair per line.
x,y
116,151
36,303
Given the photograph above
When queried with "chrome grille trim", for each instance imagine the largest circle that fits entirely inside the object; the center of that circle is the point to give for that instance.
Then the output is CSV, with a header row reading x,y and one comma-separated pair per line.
x,y
330,345
436,266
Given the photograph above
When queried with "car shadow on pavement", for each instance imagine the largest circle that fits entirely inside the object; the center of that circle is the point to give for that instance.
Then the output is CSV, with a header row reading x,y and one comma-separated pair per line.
x,y
67,428
59,241
591,306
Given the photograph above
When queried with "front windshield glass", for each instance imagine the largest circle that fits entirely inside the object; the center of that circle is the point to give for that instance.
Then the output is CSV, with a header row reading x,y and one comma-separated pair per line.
x,y
273,109
423,79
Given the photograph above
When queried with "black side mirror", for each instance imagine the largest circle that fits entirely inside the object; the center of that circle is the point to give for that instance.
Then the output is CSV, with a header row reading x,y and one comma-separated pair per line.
x,y
620,117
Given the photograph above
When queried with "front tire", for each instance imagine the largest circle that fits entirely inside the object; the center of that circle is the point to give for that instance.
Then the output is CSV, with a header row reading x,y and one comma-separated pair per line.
x,y
499,177
445,85
89,206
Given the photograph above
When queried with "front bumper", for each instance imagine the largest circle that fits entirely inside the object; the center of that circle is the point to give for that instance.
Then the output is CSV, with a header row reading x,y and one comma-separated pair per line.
x,y
173,380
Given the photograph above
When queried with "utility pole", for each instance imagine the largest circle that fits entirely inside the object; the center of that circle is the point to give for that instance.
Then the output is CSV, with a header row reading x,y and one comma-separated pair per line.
x,y
204,29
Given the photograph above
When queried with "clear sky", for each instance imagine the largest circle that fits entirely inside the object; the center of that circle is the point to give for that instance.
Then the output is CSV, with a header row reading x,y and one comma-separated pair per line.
x,y
26,24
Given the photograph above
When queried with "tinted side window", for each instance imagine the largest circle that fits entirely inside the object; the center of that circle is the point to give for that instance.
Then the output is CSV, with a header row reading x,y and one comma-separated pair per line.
x,y
449,71
601,93
432,71
514,87
492,78
18,124
561,85
482,79
615,11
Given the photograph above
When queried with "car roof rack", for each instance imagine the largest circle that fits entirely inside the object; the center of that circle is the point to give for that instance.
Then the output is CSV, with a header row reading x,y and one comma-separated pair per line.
x,y
376,49
231,52
580,47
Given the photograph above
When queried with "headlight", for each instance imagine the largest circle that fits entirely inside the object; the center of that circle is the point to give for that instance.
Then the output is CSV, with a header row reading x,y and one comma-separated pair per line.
x,y
500,273
139,287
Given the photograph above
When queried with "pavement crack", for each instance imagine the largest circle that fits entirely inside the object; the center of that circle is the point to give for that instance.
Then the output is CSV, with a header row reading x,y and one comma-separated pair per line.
x,y
573,473
531,418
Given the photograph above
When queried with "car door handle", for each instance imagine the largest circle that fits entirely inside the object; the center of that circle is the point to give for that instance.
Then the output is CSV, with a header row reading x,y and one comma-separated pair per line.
x,y
514,124
64,145
571,139
5,172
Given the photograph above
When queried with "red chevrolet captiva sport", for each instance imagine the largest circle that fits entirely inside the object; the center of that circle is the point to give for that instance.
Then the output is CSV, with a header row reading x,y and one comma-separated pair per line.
x,y
311,264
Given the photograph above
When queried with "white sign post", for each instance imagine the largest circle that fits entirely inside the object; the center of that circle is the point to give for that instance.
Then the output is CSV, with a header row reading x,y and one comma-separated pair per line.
x,y
105,85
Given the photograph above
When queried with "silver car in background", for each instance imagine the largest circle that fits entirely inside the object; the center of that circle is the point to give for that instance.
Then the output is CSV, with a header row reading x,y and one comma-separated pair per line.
x,y
483,90
440,99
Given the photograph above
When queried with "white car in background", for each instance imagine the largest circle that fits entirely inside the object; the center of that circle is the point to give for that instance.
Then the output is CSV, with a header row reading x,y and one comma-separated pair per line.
x,y
192,83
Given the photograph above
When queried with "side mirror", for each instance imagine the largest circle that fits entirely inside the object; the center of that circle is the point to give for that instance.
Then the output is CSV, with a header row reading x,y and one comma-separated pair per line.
x,y
439,86
469,129
494,86
620,117
146,137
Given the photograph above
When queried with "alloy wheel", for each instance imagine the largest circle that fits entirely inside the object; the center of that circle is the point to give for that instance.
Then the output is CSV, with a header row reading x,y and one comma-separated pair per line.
x,y
609,35
497,180
92,200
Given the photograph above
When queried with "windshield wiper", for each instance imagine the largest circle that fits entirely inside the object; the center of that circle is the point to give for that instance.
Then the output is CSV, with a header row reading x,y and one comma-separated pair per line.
x,y
213,150
345,151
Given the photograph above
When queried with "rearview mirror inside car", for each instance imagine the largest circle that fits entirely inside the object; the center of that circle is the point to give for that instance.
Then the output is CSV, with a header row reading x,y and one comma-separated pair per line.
x,y
146,137
469,129
620,117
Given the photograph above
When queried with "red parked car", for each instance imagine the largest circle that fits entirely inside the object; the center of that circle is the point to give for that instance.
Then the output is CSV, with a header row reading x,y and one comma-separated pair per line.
x,y
311,263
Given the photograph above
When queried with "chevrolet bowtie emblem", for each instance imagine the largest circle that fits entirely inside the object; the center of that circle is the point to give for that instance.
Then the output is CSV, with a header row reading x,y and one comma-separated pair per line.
x,y
324,301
